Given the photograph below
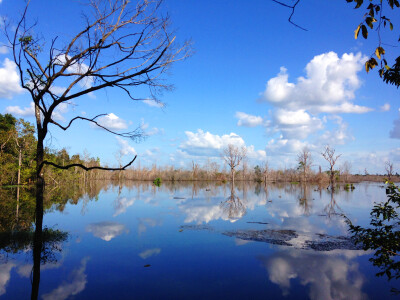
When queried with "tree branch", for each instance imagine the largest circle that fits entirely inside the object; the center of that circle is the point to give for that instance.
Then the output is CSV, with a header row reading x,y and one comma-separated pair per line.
x,y
45,162
293,7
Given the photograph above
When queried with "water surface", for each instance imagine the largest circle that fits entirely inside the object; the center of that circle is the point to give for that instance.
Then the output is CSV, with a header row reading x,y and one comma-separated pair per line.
x,y
195,241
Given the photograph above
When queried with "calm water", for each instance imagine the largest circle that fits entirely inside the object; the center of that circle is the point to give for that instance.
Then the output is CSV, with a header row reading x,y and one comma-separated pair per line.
x,y
198,242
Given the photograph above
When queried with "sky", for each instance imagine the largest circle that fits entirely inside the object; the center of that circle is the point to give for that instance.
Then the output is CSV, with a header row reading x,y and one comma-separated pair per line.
x,y
254,80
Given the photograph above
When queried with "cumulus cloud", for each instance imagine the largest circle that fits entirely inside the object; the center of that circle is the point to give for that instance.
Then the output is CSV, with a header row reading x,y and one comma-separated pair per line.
x,y
106,230
113,122
30,111
295,124
248,120
76,285
78,69
149,252
202,143
124,147
339,135
385,107
153,103
284,146
329,86
9,80
155,131
23,112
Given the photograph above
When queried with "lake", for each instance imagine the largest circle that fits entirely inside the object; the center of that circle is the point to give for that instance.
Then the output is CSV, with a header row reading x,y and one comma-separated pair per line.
x,y
193,241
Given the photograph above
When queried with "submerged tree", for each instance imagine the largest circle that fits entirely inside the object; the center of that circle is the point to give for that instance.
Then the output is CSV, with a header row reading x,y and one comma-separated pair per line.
x,y
304,159
233,156
331,158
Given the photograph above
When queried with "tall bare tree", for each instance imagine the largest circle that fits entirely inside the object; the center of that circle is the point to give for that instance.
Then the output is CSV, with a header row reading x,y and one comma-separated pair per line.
x,y
389,169
233,156
305,161
122,44
331,158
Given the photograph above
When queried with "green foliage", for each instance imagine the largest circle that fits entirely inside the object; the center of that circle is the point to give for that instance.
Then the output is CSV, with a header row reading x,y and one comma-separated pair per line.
x,y
383,235
349,187
375,20
157,181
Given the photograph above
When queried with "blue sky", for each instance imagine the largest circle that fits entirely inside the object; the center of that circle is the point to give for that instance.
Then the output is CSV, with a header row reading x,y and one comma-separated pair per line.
x,y
254,80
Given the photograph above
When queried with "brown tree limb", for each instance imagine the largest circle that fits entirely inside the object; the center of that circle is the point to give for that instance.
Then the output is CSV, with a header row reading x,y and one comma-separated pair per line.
x,y
45,162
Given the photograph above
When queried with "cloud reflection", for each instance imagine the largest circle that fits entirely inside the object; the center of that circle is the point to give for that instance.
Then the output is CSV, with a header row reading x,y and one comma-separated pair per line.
x,y
74,287
121,204
329,275
5,270
149,252
105,230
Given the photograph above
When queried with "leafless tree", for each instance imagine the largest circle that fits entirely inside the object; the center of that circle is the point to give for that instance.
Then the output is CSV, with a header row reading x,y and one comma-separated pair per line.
x,y
123,44
304,159
233,156
331,158
345,170
389,169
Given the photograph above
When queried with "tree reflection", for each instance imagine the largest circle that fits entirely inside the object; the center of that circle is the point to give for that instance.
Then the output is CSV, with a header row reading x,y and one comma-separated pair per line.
x,y
21,230
233,207
305,198
332,208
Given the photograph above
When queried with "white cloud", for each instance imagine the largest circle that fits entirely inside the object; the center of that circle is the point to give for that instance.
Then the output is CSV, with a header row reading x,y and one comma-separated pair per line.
x,y
339,135
30,111
202,143
77,284
106,230
124,147
206,144
385,107
149,252
329,86
3,49
153,103
113,122
77,68
155,131
9,80
284,146
23,112
248,120
295,124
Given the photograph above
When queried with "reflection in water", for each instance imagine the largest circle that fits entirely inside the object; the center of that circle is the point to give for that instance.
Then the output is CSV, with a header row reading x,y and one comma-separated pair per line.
x,y
106,230
332,208
149,252
329,275
75,285
305,198
5,270
233,207
121,204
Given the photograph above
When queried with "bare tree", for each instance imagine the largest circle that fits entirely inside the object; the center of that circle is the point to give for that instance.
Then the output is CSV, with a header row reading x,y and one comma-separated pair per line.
x,y
304,159
123,44
345,170
389,169
331,158
233,155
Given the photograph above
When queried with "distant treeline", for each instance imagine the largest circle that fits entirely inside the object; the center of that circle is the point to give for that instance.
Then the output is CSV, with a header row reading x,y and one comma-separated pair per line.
x,y
17,165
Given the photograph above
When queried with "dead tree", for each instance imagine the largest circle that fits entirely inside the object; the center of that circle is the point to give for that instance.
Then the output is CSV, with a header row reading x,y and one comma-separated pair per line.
x,y
389,169
304,159
331,158
233,156
122,44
